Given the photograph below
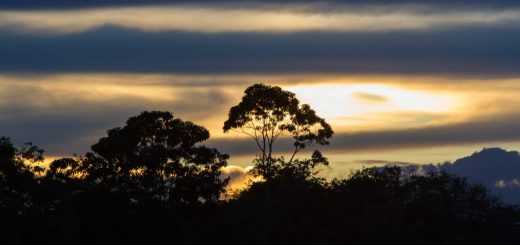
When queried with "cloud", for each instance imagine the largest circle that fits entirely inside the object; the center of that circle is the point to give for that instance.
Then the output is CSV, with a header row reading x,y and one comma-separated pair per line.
x,y
500,129
239,178
66,119
471,51
65,4
385,162
502,183
497,169
372,98
477,131
256,18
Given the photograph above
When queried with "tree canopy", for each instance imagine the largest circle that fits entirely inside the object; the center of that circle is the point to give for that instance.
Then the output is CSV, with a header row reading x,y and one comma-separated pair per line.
x,y
267,113
153,156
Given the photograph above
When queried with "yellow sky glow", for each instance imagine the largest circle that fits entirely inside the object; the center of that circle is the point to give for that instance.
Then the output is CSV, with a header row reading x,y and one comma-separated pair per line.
x,y
335,100
356,102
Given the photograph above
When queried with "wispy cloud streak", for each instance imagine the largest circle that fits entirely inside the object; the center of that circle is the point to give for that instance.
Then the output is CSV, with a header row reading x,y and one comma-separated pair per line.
x,y
255,18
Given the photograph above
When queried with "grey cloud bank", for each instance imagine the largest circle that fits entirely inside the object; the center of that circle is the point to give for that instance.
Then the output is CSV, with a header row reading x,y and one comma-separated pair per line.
x,y
499,130
462,51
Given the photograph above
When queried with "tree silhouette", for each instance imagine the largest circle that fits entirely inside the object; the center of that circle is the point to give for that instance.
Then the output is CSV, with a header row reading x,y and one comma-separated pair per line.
x,y
267,113
18,167
153,158
19,163
63,169
151,181
22,195
113,195
157,155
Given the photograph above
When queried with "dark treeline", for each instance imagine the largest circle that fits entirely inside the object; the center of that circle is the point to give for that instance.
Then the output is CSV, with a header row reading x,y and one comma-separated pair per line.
x,y
153,182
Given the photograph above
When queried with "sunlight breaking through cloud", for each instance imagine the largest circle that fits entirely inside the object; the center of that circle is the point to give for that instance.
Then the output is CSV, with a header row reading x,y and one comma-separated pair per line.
x,y
239,178
341,103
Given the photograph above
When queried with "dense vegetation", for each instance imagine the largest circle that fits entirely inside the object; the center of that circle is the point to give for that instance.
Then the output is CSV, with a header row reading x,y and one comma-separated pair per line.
x,y
153,182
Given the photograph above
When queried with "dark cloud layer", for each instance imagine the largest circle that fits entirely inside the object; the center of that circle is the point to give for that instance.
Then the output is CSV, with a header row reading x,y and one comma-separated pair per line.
x,y
498,130
112,49
67,4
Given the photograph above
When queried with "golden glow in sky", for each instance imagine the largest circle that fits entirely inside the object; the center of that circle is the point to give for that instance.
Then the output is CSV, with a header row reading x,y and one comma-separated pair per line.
x,y
351,104
336,101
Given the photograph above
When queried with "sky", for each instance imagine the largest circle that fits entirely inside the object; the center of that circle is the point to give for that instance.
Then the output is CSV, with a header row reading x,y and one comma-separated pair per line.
x,y
399,81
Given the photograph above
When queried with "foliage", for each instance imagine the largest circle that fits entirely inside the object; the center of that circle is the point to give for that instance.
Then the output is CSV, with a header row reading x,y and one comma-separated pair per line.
x,y
374,206
153,156
267,113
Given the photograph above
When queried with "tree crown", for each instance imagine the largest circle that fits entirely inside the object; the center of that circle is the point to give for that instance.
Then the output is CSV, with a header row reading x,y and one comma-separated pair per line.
x,y
267,112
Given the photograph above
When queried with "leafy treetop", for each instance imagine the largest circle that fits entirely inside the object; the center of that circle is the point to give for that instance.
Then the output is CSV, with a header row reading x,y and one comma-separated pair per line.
x,y
268,112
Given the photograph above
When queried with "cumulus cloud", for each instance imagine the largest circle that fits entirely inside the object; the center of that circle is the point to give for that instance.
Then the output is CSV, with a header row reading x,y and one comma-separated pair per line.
x,y
497,169
239,178
505,183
